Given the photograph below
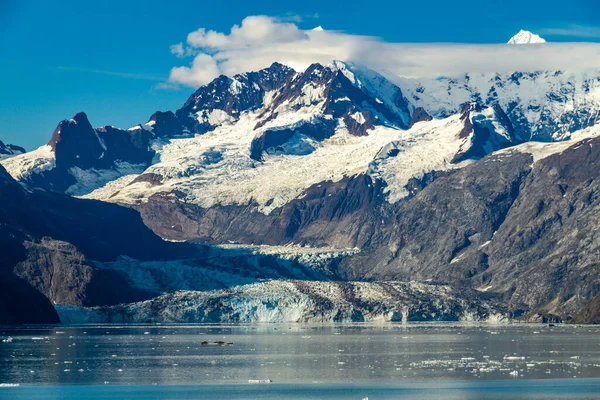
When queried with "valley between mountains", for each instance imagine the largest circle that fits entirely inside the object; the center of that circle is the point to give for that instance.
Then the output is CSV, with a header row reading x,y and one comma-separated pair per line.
x,y
335,193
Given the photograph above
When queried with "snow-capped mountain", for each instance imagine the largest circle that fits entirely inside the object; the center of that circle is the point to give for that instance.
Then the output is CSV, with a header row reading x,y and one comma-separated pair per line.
x,y
9,150
541,106
526,37
264,138
333,120
79,157
323,124
426,178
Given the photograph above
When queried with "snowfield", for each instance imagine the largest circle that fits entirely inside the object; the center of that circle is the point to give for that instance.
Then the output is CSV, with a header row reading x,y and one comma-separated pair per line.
x,y
215,168
541,150
27,164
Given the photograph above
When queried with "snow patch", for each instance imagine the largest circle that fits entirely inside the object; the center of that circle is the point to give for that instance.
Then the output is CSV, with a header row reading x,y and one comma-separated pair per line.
x,y
23,166
214,117
358,117
541,150
89,180
423,148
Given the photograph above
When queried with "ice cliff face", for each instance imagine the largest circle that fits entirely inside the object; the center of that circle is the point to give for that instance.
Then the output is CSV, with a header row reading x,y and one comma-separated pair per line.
x,y
301,301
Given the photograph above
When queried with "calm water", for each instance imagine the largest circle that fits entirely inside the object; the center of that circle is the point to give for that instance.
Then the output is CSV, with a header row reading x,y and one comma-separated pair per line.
x,y
415,361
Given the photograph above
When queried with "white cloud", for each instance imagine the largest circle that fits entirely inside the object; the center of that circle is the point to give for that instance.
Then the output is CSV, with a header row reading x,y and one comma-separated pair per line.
x,y
203,70
178,50
255,31
127,75
581,31
261,40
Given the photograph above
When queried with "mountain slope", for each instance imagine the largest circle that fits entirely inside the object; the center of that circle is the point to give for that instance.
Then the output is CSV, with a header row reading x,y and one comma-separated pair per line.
x,y
518,222
447,180
47,241
78,157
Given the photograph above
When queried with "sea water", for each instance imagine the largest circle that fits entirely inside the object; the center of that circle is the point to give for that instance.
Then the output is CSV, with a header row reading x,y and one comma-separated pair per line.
x,y
269,361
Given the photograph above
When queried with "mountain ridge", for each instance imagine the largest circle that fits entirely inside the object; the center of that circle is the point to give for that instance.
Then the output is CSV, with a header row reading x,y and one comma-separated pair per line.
x,y
428,180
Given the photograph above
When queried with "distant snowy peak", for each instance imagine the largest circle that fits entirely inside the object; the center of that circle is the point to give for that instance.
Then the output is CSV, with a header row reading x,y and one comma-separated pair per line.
x,y
544,105
526,37
9,150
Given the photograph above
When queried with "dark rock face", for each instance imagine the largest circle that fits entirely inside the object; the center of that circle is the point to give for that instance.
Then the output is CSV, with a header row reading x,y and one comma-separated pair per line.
x,y
546,252
65,276
76,143
589,314
419,115
341,214
480,135
166,124
319,129
22,304
47,240
131,146
269,139
426,233
232,96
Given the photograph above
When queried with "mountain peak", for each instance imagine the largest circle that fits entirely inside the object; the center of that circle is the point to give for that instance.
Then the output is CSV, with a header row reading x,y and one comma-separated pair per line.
x,y
7,150
526,37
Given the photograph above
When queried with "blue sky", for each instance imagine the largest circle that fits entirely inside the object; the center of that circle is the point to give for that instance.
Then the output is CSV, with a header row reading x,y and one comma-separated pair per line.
x,y
108,58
